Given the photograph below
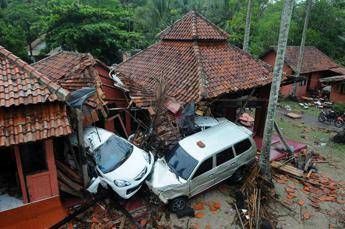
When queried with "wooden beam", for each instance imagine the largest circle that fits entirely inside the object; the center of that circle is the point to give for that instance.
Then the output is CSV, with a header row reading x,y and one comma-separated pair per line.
x,y
81,145
49,150
21,174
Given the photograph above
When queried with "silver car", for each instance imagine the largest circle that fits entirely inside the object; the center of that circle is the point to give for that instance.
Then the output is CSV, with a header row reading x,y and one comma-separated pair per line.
x,y
201,161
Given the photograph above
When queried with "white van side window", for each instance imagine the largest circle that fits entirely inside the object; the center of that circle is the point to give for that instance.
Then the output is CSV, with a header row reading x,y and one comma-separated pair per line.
x,y
242,146
224,156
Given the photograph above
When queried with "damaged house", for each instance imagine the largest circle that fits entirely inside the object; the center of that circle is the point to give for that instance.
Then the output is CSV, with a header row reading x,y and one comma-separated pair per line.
x,y
316,65
33,115
194,63
106,108
73,71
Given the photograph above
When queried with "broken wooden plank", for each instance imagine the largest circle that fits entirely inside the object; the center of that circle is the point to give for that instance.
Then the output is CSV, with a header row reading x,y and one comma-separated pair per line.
x,y
287,168
63,187
69,172
64,179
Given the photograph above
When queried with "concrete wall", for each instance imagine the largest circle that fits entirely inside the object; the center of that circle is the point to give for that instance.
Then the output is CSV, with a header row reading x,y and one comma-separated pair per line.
x,y
314,83
336,95
287,89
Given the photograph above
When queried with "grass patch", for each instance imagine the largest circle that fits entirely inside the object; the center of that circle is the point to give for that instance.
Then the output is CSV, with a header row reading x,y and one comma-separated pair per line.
x,y
312,136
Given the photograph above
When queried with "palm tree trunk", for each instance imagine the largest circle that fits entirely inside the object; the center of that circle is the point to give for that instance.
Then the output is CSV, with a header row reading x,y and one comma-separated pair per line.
x,y
273,100
247,29
301,48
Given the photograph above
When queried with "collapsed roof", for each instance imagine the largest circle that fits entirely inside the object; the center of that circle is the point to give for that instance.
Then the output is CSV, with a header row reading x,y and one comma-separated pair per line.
x,y
195,60
73,71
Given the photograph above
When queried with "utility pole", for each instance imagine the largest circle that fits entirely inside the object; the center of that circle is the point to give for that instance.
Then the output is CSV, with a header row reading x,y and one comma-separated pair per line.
x,y
247,29
301,47
273,100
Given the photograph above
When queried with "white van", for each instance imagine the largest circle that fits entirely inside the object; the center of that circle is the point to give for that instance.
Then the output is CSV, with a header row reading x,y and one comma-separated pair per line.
x,y
120,165
201,161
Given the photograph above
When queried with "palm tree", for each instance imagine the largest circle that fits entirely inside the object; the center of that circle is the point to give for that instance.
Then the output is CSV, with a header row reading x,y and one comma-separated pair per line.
x,y
301,48
273,100
247,29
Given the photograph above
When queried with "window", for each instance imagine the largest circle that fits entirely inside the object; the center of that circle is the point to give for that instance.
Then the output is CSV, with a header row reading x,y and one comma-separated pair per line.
x,y
204,167
242,146
224,156
180,162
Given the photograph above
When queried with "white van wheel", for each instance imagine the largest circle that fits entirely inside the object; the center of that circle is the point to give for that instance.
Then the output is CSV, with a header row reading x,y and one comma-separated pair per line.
x,y
178,204
237,176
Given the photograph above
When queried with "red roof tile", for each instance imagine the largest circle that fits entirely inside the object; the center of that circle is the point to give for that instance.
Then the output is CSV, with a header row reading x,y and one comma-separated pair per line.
x,y
73,71
338,70
22,84
25,123
313,60
30,103
192,69
193,26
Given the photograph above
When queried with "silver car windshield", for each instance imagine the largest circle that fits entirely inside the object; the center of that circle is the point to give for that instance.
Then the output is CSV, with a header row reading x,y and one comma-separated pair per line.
x,y
112,154
180,162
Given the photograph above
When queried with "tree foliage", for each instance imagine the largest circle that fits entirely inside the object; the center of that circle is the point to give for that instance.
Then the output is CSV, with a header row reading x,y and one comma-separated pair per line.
x,y
85,28
106,28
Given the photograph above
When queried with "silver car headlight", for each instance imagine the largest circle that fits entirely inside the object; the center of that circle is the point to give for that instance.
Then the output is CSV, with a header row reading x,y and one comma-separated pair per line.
x,y
147,157
121,183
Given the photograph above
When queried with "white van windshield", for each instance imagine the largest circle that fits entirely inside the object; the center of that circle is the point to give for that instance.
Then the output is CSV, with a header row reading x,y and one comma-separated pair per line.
x,y
112,154
180,162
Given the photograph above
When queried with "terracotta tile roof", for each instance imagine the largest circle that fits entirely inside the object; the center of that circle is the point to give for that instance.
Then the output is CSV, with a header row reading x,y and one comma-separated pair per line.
x,y
338,70
193,26
30,103
192,69
24,123
313,61
22,84
73,71
339,78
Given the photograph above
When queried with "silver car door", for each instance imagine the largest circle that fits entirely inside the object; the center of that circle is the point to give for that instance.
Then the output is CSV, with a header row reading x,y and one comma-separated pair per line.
x,y
243,151
203,177
226,165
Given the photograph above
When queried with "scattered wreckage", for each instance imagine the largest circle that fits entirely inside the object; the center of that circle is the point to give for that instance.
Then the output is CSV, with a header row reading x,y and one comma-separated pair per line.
x,y
118,164
201,161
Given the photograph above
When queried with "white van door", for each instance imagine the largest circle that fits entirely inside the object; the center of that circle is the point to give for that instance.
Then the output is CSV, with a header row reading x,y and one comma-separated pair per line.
x,y
226,165
203,177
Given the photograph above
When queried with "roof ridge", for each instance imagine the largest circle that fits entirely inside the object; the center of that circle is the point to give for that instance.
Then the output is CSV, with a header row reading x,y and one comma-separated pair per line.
x,y
218,34
32,72
194,27
201,72
133,56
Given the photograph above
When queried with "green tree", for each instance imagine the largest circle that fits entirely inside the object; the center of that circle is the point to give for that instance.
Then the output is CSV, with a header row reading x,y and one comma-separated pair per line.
x,y
84,28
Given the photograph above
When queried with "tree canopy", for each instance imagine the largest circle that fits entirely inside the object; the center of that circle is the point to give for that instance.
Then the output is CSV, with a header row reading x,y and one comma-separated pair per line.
x,y
107,28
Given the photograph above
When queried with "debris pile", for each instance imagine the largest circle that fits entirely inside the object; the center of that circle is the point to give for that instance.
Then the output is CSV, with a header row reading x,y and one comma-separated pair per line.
x,y
252,202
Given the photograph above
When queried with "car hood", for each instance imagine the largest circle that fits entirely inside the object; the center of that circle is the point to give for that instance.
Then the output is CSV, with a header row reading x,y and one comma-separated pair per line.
x,y
162,177
131,168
